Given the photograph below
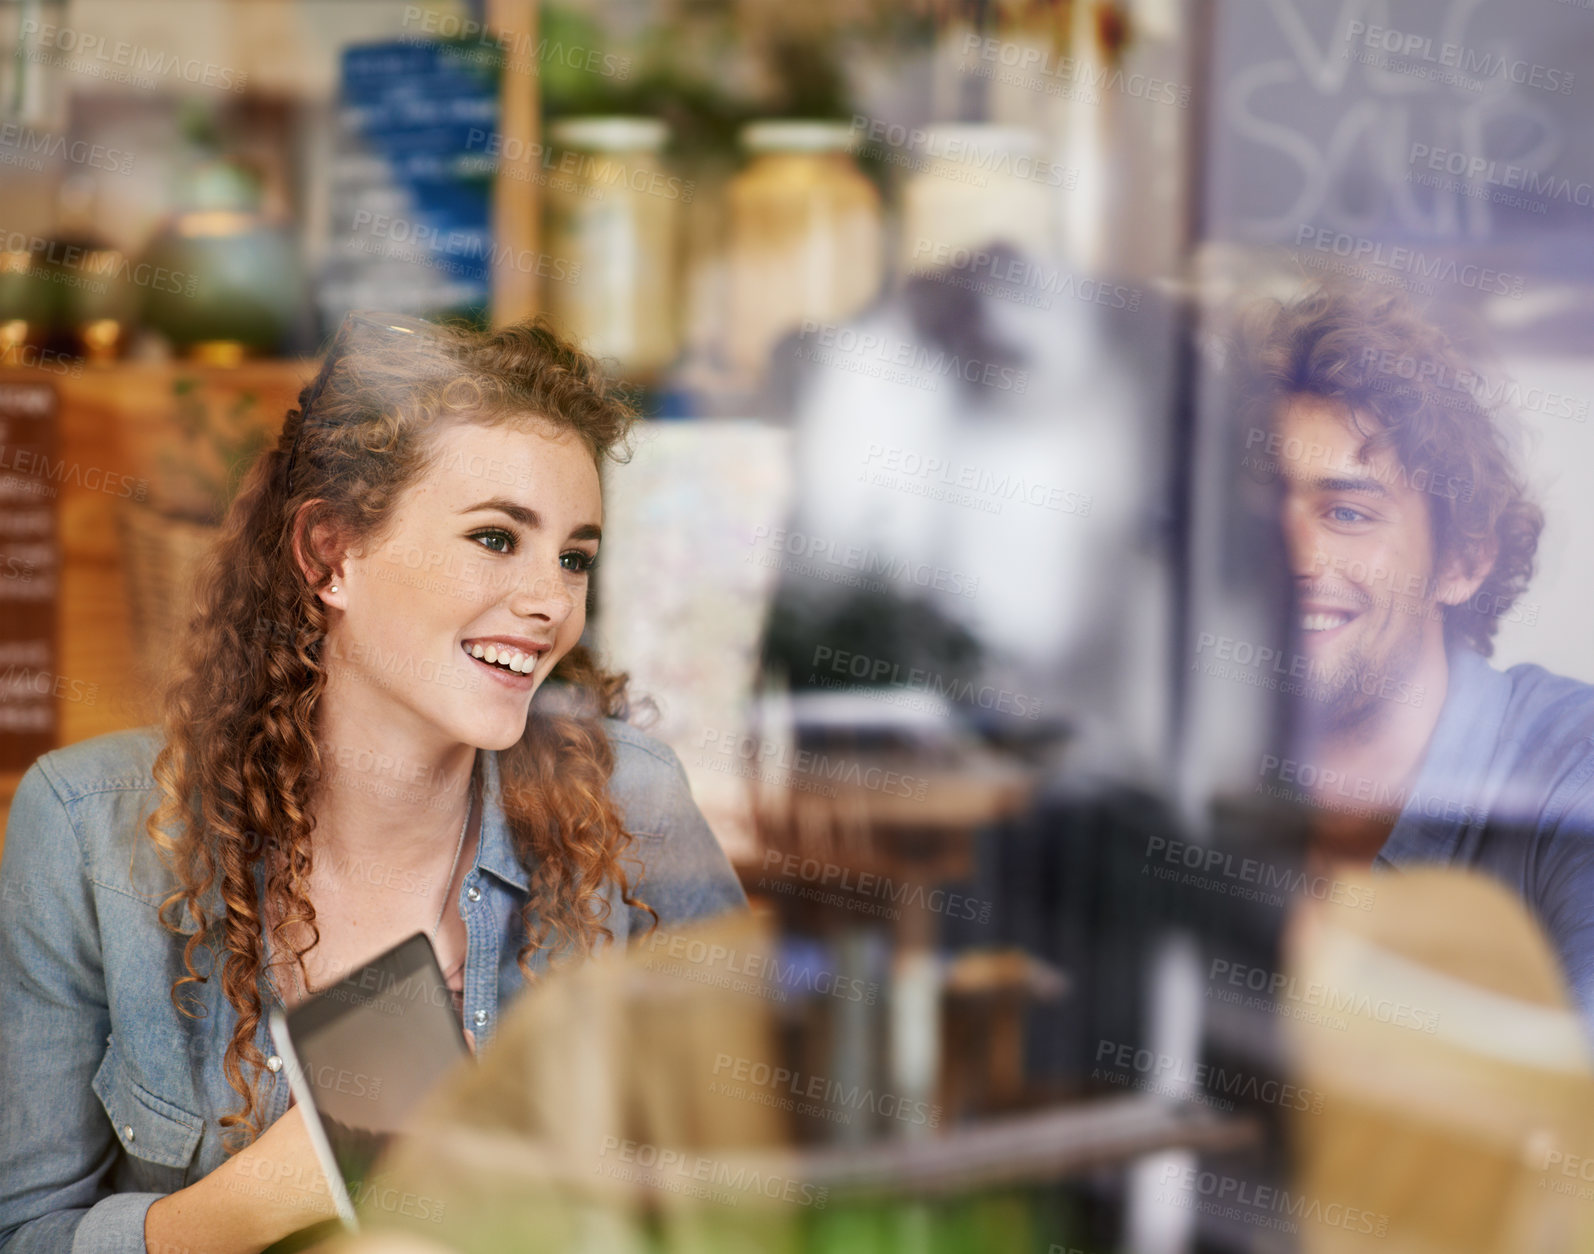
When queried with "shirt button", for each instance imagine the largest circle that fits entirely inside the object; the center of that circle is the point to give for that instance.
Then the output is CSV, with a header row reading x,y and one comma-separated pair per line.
x,y
127,1131
274,1063
480,1017
474,893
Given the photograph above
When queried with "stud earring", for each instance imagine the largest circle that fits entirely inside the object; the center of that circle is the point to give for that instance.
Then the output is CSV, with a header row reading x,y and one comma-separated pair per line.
x,y
333,588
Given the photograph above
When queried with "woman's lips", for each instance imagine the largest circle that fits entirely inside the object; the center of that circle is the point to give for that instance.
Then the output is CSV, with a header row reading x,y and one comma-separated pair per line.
x,y
503,674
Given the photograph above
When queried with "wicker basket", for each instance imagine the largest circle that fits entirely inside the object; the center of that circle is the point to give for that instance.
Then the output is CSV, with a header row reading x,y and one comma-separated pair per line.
x,y
161,555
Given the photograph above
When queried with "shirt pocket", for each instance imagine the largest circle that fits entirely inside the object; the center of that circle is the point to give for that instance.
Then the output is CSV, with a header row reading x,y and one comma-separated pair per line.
x,y
148,1126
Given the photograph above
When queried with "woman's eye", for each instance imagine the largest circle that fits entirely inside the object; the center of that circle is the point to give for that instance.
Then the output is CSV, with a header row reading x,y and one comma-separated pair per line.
x,y
496,534
578,562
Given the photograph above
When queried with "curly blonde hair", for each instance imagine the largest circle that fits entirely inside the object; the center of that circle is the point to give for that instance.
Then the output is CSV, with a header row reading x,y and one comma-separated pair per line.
x,y
241,759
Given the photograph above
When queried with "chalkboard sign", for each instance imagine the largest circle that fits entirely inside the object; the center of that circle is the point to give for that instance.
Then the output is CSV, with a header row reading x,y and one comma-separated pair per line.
x,y
30,560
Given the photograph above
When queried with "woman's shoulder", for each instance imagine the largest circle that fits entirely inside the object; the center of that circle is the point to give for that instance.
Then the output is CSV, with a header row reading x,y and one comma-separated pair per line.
x,y
649,780
87,801
117,761
639,751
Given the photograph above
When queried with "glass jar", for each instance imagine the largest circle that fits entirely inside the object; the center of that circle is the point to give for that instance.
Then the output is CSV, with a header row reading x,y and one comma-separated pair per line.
x,y
978,185
613,219
805,237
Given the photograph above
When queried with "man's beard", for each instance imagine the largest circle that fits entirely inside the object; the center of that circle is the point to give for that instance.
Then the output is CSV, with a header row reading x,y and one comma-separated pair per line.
x,y
1350,695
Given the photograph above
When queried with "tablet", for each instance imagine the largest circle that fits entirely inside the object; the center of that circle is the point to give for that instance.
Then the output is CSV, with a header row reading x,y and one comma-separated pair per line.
x,y
361,1055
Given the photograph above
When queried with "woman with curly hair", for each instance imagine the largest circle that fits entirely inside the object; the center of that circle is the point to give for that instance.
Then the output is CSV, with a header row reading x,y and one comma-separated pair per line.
x,y
354,748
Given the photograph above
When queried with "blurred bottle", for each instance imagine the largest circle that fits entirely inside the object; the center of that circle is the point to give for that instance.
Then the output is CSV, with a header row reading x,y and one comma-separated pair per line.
x,y
805,234
613,209
99,299
219,279
978,185
29,306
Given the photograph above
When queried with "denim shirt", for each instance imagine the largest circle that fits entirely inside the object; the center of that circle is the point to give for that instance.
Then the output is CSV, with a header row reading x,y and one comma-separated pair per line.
x,y
109,1098
1506,786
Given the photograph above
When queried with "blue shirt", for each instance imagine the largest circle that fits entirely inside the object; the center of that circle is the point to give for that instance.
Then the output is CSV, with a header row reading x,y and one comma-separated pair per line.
x,y
1507,787
109,1098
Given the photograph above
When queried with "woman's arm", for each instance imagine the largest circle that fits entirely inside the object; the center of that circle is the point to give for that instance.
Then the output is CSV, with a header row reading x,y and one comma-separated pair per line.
x,y
250,1201
57,1147
56,1144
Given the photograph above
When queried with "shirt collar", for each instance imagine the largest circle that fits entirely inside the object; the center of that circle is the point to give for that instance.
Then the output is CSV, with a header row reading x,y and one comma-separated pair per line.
x,y
495,852
1450,792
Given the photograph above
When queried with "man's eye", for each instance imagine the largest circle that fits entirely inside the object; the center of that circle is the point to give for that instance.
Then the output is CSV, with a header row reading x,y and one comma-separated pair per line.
x,y
496,533
577,561
1345,514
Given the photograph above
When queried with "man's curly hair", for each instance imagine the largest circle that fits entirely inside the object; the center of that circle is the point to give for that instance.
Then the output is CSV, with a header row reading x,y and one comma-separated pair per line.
x,y
1407,385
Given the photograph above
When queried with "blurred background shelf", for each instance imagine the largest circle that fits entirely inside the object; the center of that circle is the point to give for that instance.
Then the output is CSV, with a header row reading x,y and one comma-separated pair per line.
x,y
118,427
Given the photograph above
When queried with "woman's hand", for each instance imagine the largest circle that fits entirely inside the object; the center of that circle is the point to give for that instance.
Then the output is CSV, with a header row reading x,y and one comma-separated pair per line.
x,y
261,1194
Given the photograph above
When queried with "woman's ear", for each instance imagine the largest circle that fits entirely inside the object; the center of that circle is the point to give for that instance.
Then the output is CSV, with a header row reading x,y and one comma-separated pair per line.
x,y
322,539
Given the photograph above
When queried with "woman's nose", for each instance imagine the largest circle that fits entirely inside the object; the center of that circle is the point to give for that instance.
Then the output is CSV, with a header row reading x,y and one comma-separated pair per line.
x,y
541,593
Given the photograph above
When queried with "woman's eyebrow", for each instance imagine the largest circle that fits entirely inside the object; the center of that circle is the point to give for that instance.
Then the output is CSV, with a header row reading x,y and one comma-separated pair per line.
x,y
530,518
520,513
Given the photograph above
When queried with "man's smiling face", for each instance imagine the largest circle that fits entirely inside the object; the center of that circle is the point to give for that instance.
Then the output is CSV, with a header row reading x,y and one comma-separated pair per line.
x,y
1368,584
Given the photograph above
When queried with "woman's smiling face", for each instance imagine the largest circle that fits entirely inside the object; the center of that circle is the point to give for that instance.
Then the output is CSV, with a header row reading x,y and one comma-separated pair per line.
x,y
487,554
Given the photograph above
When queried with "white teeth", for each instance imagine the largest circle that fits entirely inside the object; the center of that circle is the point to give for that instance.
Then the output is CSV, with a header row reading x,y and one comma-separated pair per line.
x,y
1323,622
510,659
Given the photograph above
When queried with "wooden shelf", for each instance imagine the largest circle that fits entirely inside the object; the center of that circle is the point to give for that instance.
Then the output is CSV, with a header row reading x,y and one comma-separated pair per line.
x,y
113,420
